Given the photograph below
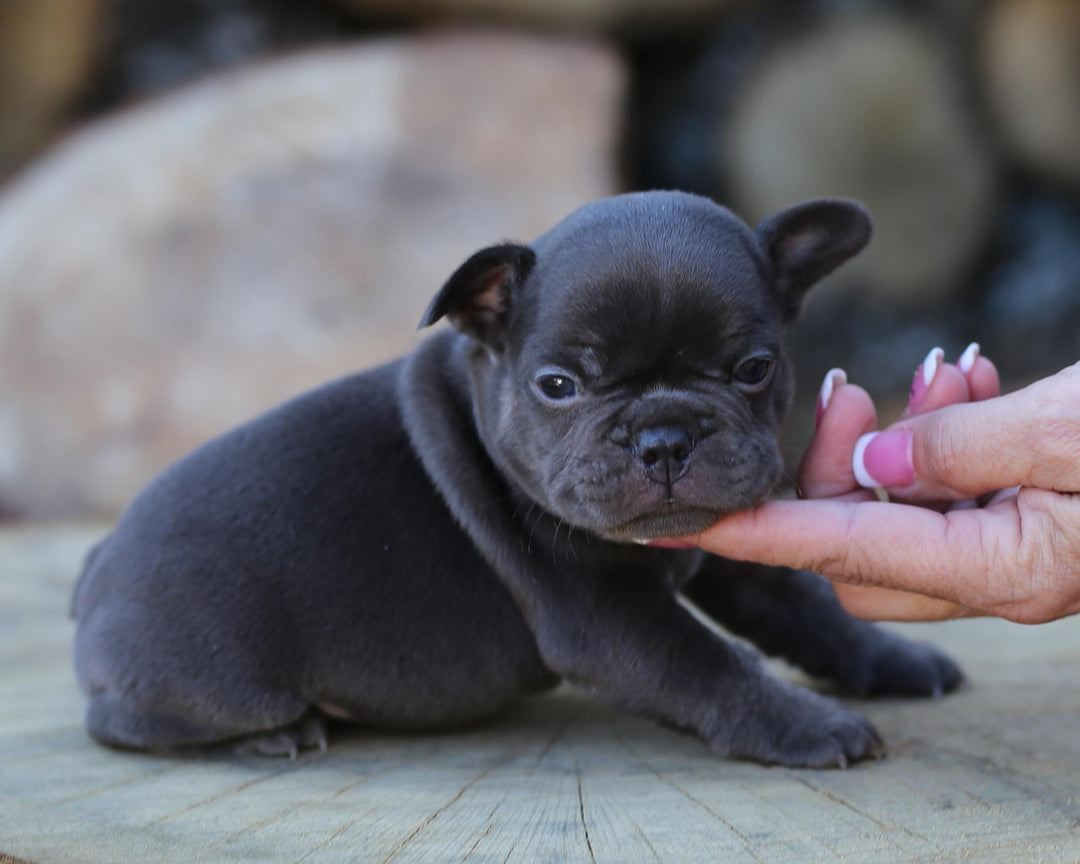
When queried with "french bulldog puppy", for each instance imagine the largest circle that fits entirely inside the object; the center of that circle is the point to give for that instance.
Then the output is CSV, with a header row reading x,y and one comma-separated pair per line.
x,y
416,546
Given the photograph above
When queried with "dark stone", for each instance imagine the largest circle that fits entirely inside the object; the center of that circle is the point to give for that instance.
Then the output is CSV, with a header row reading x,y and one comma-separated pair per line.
x,y
149,47
1032,307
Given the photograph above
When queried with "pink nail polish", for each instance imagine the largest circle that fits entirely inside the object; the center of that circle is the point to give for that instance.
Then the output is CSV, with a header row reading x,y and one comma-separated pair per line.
x,y
924,377
884,459
834,378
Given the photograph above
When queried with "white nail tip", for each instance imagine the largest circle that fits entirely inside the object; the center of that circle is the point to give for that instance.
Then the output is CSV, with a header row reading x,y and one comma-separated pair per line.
x,y
968,358
931,364
862,476
833,378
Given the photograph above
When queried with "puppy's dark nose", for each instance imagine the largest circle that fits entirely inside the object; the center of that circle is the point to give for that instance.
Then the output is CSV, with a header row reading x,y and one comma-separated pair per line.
x,y
664,451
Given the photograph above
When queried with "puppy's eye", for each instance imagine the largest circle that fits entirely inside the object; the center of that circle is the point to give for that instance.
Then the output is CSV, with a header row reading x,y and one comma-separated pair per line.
x,y
754,373
557,387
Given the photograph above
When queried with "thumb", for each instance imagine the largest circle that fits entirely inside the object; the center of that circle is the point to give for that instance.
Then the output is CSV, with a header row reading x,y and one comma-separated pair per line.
x,y
1027,438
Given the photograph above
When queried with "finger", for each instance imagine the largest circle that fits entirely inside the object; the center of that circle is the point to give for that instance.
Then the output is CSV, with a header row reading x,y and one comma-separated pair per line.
x,y
947,386
973,379
934,385
1027,438
845,412
983,383
981,374
937,384
886,604
1018,558
875,543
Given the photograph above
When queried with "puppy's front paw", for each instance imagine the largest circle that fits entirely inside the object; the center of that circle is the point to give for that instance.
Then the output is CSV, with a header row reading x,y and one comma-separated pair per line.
x,y
894,666
801,729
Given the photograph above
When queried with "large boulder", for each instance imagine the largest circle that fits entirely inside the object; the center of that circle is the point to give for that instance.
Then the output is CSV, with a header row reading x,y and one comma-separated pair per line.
x,y
868,107
186,264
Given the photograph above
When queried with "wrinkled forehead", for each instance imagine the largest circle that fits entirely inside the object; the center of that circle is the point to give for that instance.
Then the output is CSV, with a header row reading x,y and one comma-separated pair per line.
x,y
692,287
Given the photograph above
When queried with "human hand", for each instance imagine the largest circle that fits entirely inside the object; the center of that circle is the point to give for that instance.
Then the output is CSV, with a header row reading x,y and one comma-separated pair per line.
x,y
1017,557
830,470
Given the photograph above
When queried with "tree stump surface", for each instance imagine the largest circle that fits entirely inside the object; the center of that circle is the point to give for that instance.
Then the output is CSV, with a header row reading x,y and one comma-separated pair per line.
x,y
991,773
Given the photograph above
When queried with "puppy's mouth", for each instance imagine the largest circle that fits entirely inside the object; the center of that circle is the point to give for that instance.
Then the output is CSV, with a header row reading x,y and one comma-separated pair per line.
x,y
668,520
682,518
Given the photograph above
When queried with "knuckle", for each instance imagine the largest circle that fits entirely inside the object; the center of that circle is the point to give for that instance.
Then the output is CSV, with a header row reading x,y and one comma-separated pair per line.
x,y
1058,443
1053,436
1043,583
1020,613
940,451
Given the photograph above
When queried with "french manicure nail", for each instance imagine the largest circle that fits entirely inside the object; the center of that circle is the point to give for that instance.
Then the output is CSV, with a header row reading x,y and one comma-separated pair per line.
x,y
924,377
968,358
884,459
834,378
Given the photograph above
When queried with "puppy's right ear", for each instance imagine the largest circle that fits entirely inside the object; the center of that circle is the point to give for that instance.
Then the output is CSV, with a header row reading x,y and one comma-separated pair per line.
x,y
806,242
477,297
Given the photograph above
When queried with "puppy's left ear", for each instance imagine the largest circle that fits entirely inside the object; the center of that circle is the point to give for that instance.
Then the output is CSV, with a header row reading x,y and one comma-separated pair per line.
x,y
477,297
805,243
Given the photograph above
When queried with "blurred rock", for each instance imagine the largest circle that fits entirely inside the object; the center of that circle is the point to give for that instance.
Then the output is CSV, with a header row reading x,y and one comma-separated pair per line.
x,y
192,261
1025,313
149,47
46,50
624,15
1030,61
1032,308
868,107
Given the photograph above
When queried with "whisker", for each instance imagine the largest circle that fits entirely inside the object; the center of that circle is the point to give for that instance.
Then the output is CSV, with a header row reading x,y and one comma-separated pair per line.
x,y
532,506
555,543
794,482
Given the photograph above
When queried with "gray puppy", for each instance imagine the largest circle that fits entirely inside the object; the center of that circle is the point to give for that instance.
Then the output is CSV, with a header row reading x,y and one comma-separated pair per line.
x,y
417,546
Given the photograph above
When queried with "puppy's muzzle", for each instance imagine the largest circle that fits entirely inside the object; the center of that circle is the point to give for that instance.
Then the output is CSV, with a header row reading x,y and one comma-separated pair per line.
x,y
664,452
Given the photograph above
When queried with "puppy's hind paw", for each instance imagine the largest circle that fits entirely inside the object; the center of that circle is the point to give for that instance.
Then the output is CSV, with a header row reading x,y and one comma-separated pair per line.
x,y
306,734
898,667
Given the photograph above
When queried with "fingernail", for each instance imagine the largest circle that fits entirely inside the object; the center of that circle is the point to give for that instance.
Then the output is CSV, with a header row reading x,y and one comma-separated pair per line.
x,y
884,459
968,358
833,378
924,377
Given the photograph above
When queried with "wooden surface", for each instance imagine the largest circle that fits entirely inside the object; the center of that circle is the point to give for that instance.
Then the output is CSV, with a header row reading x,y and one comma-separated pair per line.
x,y
989,774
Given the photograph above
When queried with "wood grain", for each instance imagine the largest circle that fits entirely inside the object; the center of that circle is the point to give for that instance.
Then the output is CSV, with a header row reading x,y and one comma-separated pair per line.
x,y
989,774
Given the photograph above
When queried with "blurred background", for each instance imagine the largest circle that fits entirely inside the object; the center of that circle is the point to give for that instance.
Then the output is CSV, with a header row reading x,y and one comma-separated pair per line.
x,y
207,206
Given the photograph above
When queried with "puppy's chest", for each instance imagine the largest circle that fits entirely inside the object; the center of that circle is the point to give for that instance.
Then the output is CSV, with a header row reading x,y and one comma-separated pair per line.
x,y
626,563
682,567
